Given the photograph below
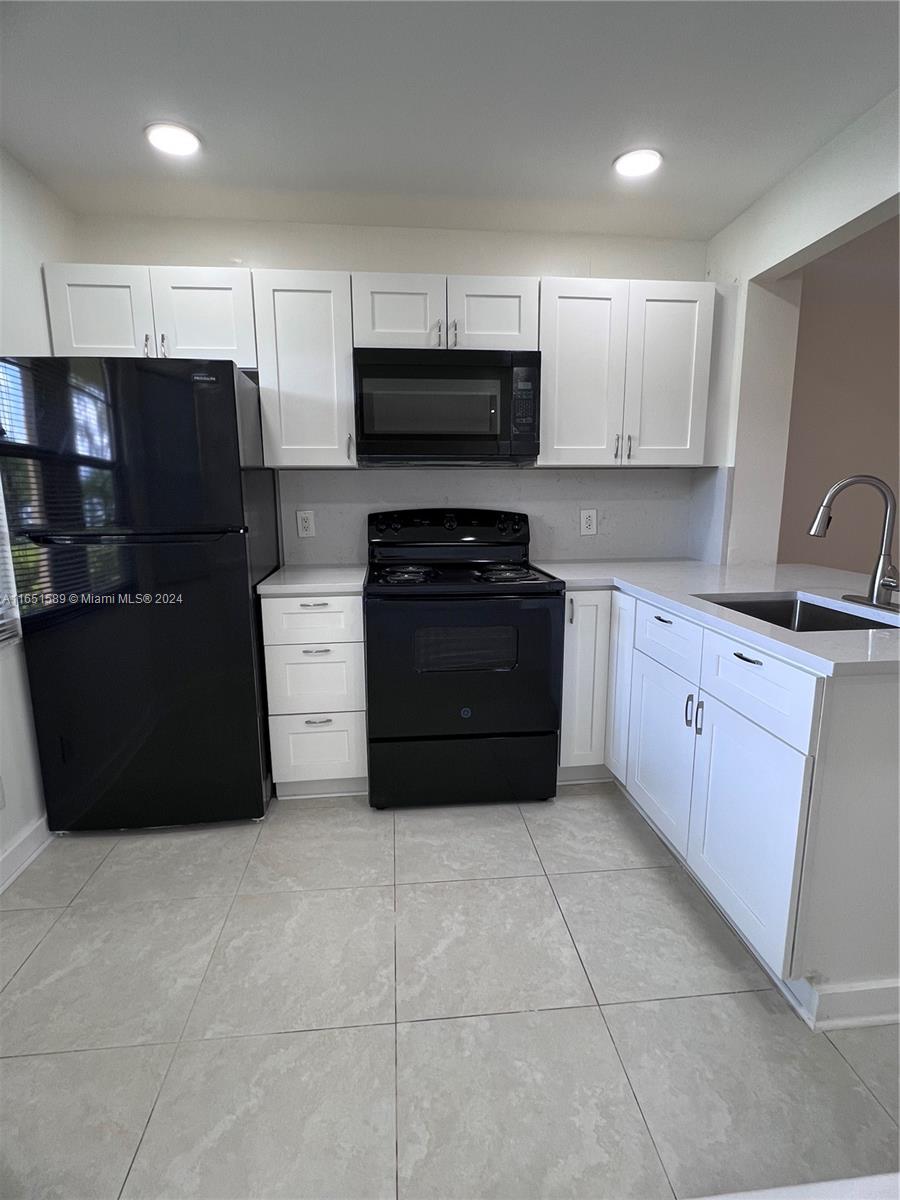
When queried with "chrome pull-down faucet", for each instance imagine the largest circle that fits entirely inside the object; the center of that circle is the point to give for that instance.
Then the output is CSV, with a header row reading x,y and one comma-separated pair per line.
x,y
884,581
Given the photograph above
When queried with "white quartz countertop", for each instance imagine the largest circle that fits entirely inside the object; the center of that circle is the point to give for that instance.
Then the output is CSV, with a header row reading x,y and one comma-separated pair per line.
x,y
674,584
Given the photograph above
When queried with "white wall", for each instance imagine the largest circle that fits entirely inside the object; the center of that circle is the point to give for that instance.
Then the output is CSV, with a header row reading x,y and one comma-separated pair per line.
x,y
847,187
381,248
34,228
640,513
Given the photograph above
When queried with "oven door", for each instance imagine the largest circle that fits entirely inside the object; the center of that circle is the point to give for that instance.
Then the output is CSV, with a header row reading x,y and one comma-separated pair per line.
x,y
463,667
410,410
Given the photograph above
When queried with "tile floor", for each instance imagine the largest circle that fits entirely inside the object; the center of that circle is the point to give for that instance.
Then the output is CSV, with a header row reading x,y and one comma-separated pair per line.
x,y
447,1004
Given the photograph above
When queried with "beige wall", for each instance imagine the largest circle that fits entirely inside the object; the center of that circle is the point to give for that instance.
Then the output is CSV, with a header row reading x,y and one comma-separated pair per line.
x,y
844,414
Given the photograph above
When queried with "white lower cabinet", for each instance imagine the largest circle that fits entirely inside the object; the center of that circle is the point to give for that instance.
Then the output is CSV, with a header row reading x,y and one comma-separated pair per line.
x,y
316,686
585,664
318,746
618,700
748,813
661,747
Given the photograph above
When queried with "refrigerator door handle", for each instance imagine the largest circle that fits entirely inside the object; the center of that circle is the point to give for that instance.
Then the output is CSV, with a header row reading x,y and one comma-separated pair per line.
x,y
124,539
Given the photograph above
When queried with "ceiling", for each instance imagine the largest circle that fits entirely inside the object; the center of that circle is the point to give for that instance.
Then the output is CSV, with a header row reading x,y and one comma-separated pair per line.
x,y
493,114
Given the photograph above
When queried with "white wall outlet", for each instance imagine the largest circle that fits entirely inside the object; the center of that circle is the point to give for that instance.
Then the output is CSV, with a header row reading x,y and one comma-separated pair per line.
x,y
306,523
588,521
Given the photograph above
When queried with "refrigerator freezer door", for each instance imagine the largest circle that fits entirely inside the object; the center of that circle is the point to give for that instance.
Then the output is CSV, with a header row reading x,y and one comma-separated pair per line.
x,y
146,690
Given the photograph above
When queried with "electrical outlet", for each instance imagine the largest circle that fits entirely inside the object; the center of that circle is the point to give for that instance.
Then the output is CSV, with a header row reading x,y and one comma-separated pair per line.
x,y
306,523
588,521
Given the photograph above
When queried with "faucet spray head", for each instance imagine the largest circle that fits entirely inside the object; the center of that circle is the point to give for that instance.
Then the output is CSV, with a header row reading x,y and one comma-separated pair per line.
x,y
821,522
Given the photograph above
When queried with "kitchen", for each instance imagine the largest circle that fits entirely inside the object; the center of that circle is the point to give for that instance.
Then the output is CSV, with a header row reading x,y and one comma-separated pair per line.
x,y
498,795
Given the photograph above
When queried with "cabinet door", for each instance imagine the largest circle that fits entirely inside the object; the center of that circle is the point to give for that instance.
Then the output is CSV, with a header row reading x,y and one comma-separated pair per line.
x,y
618,704
585,663
304,335
661,747
492,312
400,310
103,311
584,325
667,372
748,814
204,312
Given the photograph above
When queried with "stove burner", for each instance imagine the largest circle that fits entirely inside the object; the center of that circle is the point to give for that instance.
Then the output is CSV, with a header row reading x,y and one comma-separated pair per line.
x,y
408,574
506,574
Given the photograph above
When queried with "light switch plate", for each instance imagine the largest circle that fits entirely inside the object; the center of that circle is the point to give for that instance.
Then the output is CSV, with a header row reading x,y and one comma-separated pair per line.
x,y
306,523
588,521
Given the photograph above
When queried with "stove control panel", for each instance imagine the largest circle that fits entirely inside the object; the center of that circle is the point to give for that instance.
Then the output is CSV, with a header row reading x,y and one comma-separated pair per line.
x,y
463,526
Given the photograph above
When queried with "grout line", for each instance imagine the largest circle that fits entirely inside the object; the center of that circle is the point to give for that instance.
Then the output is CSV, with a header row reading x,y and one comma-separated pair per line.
x,y
602,1017
190,1011
684,996
637,1102
500,1012
856,1073
82,1050
59,912
263,1033
94,872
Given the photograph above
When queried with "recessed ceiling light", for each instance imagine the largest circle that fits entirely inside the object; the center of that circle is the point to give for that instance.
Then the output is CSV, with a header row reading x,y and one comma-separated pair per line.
x,y
172,139
638,162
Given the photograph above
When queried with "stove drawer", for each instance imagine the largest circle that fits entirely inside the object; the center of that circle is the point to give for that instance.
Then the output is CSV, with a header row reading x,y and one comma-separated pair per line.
x,y
318,746
294,620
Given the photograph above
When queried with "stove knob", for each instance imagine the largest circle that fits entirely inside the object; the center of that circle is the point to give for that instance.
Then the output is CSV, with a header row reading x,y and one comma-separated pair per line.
x,y
450,522
517,527
380,525
395,525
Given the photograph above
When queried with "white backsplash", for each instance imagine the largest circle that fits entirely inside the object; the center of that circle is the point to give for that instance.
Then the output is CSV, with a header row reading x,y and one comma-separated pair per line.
x,y
640,513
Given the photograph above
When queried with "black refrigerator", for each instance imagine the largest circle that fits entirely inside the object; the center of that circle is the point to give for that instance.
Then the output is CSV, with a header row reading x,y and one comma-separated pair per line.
x,y
140,520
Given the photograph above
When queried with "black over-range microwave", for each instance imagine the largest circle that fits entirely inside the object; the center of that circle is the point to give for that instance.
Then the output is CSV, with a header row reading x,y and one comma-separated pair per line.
x,y
452,407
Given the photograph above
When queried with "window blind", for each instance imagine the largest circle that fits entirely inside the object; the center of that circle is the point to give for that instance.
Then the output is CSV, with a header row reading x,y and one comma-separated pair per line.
x,y
9,613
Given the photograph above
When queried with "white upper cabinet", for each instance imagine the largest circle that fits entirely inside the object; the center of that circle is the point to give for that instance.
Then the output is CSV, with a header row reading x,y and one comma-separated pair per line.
x,y
100,310
304,335
400,310
584,327
204,312
492,312
667,373
585,661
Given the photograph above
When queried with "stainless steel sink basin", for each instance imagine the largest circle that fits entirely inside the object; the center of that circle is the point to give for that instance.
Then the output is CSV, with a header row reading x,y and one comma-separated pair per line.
x,y
790,611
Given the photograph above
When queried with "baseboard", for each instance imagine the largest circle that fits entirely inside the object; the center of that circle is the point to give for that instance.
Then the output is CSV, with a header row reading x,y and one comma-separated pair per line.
x,y
27,846
322,787
584,775
844,1005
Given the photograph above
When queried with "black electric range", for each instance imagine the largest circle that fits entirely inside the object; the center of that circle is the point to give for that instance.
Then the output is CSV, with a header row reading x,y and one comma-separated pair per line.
x,y
464,645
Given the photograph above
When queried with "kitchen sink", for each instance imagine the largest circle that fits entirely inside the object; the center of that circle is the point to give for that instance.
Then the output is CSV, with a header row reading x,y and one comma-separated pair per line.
x,y
791,611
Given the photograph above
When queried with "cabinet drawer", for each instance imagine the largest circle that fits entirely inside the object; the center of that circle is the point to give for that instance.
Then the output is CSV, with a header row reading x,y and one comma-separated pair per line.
x,y
770,692
312,619
306,679
318,746
669,639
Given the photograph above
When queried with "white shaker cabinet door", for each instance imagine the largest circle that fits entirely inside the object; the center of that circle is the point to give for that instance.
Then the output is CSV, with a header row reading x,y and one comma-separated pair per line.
x,y
585,661
667,373
492,312
402,310
304,335
204,312
100,310
748,812
618,704
661,747
584,326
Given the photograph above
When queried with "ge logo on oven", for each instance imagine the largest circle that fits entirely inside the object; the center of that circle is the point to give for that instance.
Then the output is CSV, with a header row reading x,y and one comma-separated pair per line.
x,y
465,713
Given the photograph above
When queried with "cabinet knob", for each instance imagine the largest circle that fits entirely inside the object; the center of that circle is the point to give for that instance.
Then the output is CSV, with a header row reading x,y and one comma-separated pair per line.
x,y
440,330
453,326
689,709
571,610
163,348
618,441
349,445
146,345
698,723
628,455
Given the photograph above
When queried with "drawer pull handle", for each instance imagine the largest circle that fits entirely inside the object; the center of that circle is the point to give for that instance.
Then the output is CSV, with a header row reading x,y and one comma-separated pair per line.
x,y
326,651
324,721
571,610
754,662
662,620
689,710
698,724
319,604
